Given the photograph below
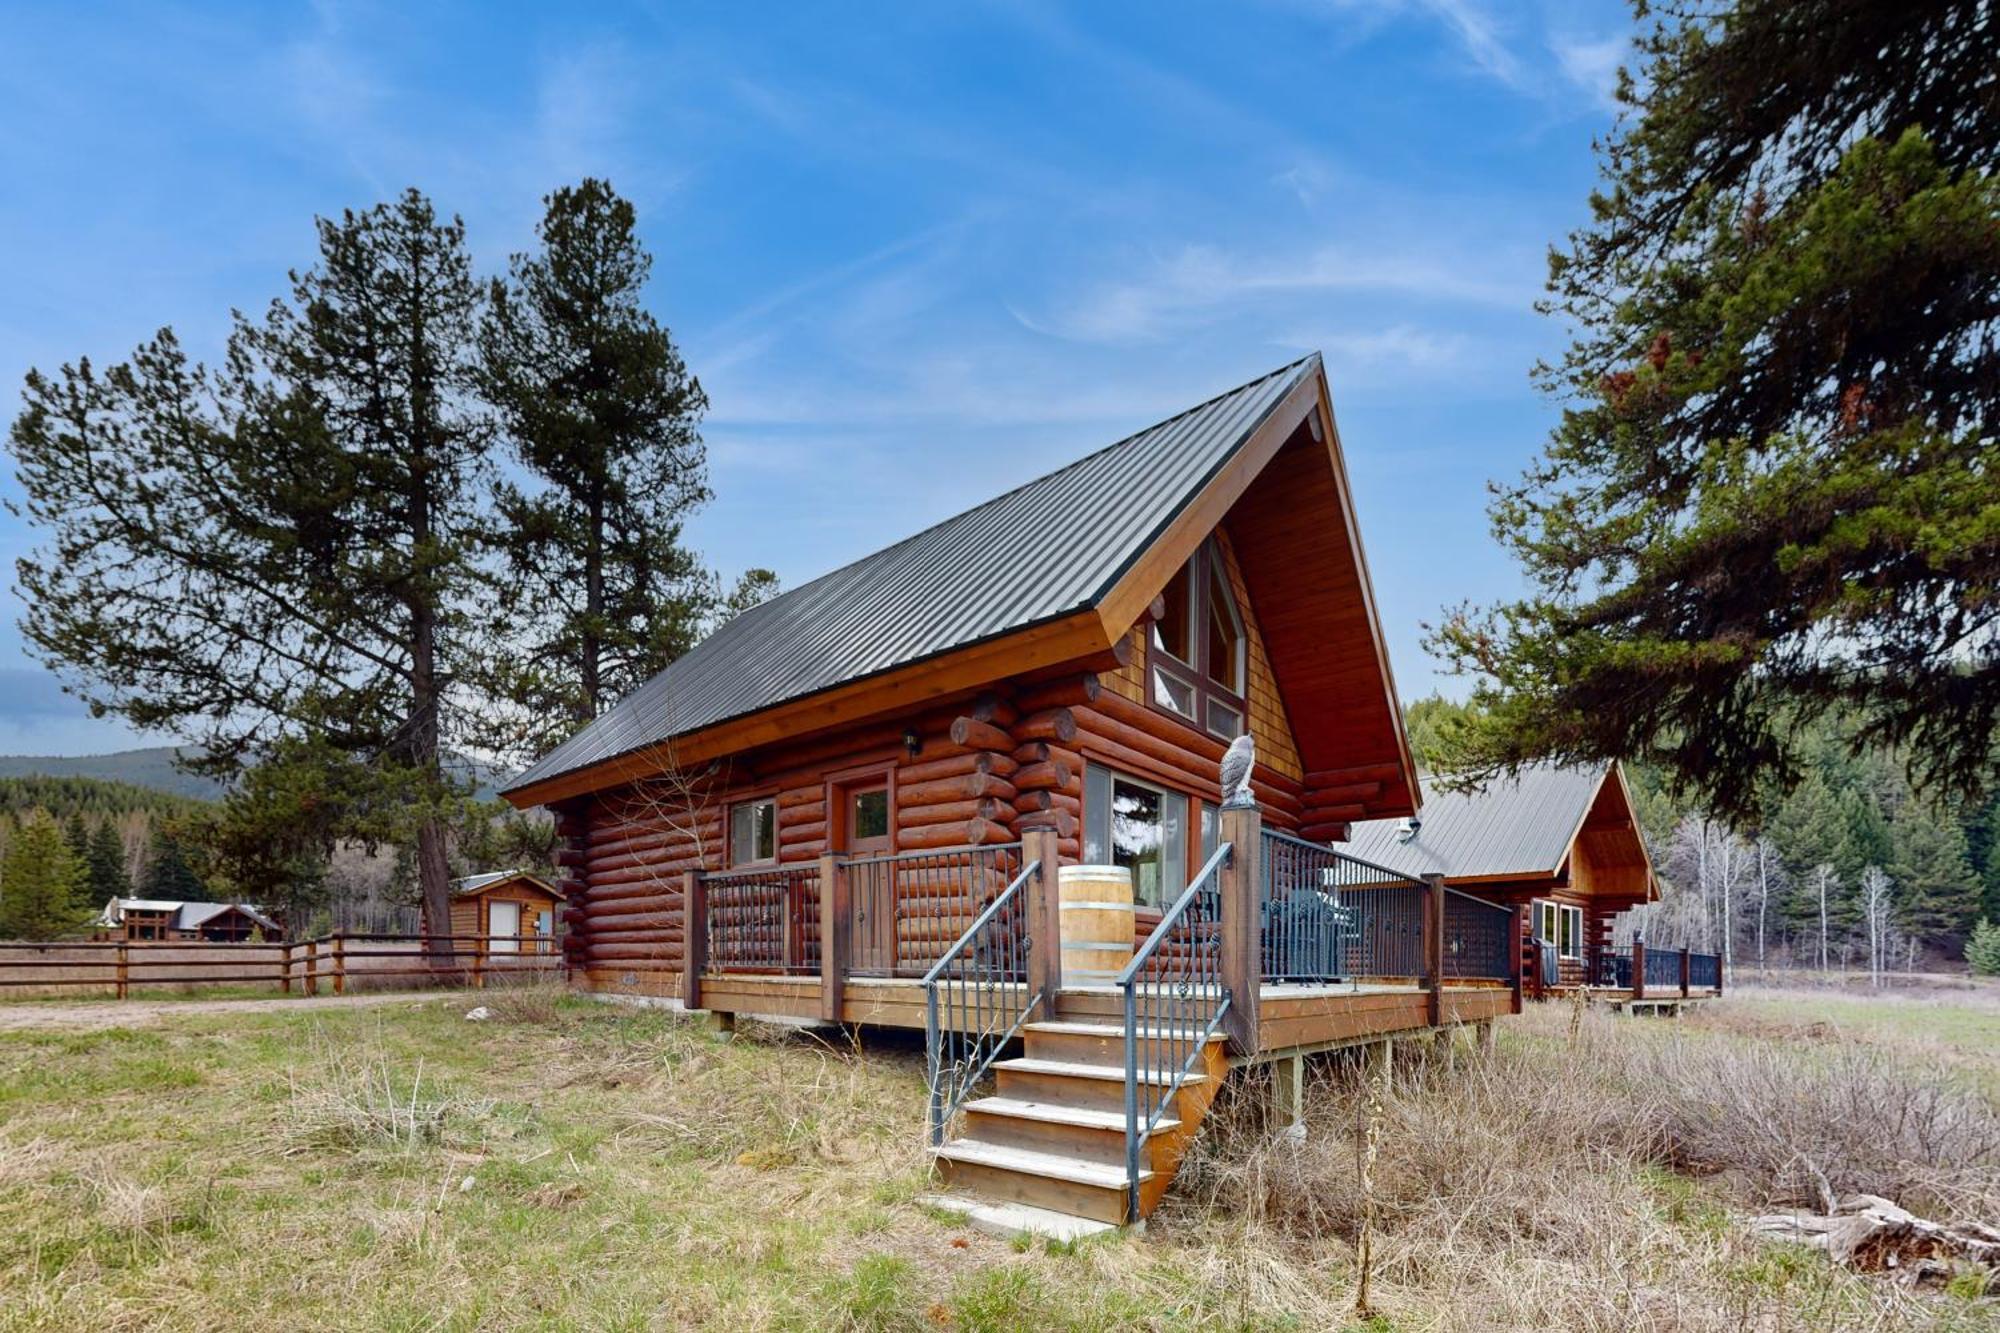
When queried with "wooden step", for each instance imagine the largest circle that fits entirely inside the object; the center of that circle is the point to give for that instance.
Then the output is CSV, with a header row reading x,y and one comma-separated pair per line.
x,y
1070,1083
1094,1135
1043,1179
1095,1042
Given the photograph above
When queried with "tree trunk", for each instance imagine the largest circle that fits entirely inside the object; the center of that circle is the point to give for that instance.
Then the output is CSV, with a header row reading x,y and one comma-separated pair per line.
x,y
434,875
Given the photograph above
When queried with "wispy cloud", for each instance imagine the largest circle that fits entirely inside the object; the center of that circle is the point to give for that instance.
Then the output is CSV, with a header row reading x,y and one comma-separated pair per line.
x,y
1194,283
1591,64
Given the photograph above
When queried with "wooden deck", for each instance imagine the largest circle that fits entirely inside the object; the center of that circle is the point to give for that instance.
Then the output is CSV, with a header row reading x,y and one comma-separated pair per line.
x,y
1291,1018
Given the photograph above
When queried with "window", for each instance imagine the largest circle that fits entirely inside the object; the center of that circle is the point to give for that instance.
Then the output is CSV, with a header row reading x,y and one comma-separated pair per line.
x,y
1200,652
1560,925
753,832
1139,826
868,817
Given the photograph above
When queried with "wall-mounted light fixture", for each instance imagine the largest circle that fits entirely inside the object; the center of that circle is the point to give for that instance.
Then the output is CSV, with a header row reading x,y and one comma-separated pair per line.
x,y
912,743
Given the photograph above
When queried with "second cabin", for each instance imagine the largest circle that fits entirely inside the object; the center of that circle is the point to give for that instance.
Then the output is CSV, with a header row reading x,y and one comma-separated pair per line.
x,y
853,803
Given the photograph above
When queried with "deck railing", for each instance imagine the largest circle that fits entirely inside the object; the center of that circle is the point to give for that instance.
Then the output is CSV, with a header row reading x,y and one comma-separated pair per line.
x,y
1481,942
1328,916
764,919
1175,1000
1663,971
907,909
1614,969
977,999
1704,971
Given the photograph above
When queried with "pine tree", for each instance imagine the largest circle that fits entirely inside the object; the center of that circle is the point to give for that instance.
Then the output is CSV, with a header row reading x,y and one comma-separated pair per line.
x,y
167,874
1770,494
42,883
1938,894
595,587
105,860
76,833
310,507
1982,949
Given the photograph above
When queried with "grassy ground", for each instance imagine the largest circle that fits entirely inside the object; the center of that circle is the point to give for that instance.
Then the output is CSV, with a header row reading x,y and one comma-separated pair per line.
x,y
571,1165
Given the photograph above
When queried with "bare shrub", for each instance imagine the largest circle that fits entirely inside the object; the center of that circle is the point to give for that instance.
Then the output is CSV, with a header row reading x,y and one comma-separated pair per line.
x,y
1546,1178
1805,1128
347,1102
534,1000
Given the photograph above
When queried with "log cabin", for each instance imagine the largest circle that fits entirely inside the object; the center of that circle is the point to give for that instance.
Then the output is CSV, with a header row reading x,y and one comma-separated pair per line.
x,y
1563,844
162,919
852,803
507,911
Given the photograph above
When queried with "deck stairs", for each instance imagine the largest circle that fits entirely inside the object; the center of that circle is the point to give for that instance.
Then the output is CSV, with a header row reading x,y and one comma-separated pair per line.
x,y
1049,1143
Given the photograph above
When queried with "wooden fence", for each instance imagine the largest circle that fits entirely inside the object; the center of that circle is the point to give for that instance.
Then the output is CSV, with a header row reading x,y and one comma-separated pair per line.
x,y
329,964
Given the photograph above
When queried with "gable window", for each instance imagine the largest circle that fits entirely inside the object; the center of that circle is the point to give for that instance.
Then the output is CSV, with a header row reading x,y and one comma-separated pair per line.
x,y
753,832
1561,925
1198,662
1137,825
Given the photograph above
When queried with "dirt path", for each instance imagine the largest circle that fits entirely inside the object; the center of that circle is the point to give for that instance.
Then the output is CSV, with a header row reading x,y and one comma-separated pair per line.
x,y
126,1013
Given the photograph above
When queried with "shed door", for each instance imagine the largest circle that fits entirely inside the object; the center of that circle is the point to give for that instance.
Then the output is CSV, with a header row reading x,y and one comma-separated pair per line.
x,y
863,817
503,927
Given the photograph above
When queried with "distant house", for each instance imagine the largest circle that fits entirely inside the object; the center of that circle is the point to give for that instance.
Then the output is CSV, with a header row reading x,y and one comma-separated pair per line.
x,y
164,919
1563,842
512,910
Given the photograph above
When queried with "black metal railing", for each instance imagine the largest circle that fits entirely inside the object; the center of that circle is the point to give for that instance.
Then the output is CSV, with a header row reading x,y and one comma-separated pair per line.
x,y
1614,969
1327,916
1175,1000
763,920
1704,971
1480,941
976,1000
1663,970
906,910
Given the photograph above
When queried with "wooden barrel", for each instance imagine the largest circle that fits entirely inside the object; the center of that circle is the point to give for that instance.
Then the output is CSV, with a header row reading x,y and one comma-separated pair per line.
x,y
1096,905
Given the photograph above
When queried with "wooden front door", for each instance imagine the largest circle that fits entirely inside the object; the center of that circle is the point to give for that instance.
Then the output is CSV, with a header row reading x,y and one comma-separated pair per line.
x,y
863,823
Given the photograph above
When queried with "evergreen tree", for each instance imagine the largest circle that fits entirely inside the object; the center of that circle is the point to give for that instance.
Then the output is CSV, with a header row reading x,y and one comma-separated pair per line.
x,y
42,883
76,832
1937,893
105,863
594,582
1771,491
282,547
1982,949
167,874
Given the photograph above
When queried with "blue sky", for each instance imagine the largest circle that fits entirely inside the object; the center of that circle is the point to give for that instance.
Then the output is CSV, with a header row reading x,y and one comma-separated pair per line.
x,y
896,243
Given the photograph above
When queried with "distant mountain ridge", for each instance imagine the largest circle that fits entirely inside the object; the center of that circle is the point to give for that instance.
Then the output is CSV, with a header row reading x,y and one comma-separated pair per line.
x,y
153,768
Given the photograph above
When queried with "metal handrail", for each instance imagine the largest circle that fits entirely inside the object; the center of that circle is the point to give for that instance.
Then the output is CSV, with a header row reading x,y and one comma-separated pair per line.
x,y
1187,1009
1402,875
957,1055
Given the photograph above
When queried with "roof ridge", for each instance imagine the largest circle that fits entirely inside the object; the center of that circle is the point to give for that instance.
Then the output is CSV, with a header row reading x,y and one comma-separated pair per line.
x,y
1036,480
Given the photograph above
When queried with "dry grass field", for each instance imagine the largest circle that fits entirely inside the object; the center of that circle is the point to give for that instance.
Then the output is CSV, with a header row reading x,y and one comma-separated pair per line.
x,y
573,1165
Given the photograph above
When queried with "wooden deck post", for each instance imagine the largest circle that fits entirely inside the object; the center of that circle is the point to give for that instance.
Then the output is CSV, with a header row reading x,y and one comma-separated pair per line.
x,y
694,937
340,962
1242,878
833,936
1434,946
124,969
1684,972
1638,967
1044,914
1518,925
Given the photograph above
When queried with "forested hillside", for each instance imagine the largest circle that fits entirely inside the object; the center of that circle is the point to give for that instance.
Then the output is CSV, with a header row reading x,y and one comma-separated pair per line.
x,y
1850,869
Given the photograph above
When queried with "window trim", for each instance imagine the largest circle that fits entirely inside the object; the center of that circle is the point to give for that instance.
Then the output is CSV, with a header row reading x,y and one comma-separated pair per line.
x,y
1205,568
1174,877
729,833
1556,913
